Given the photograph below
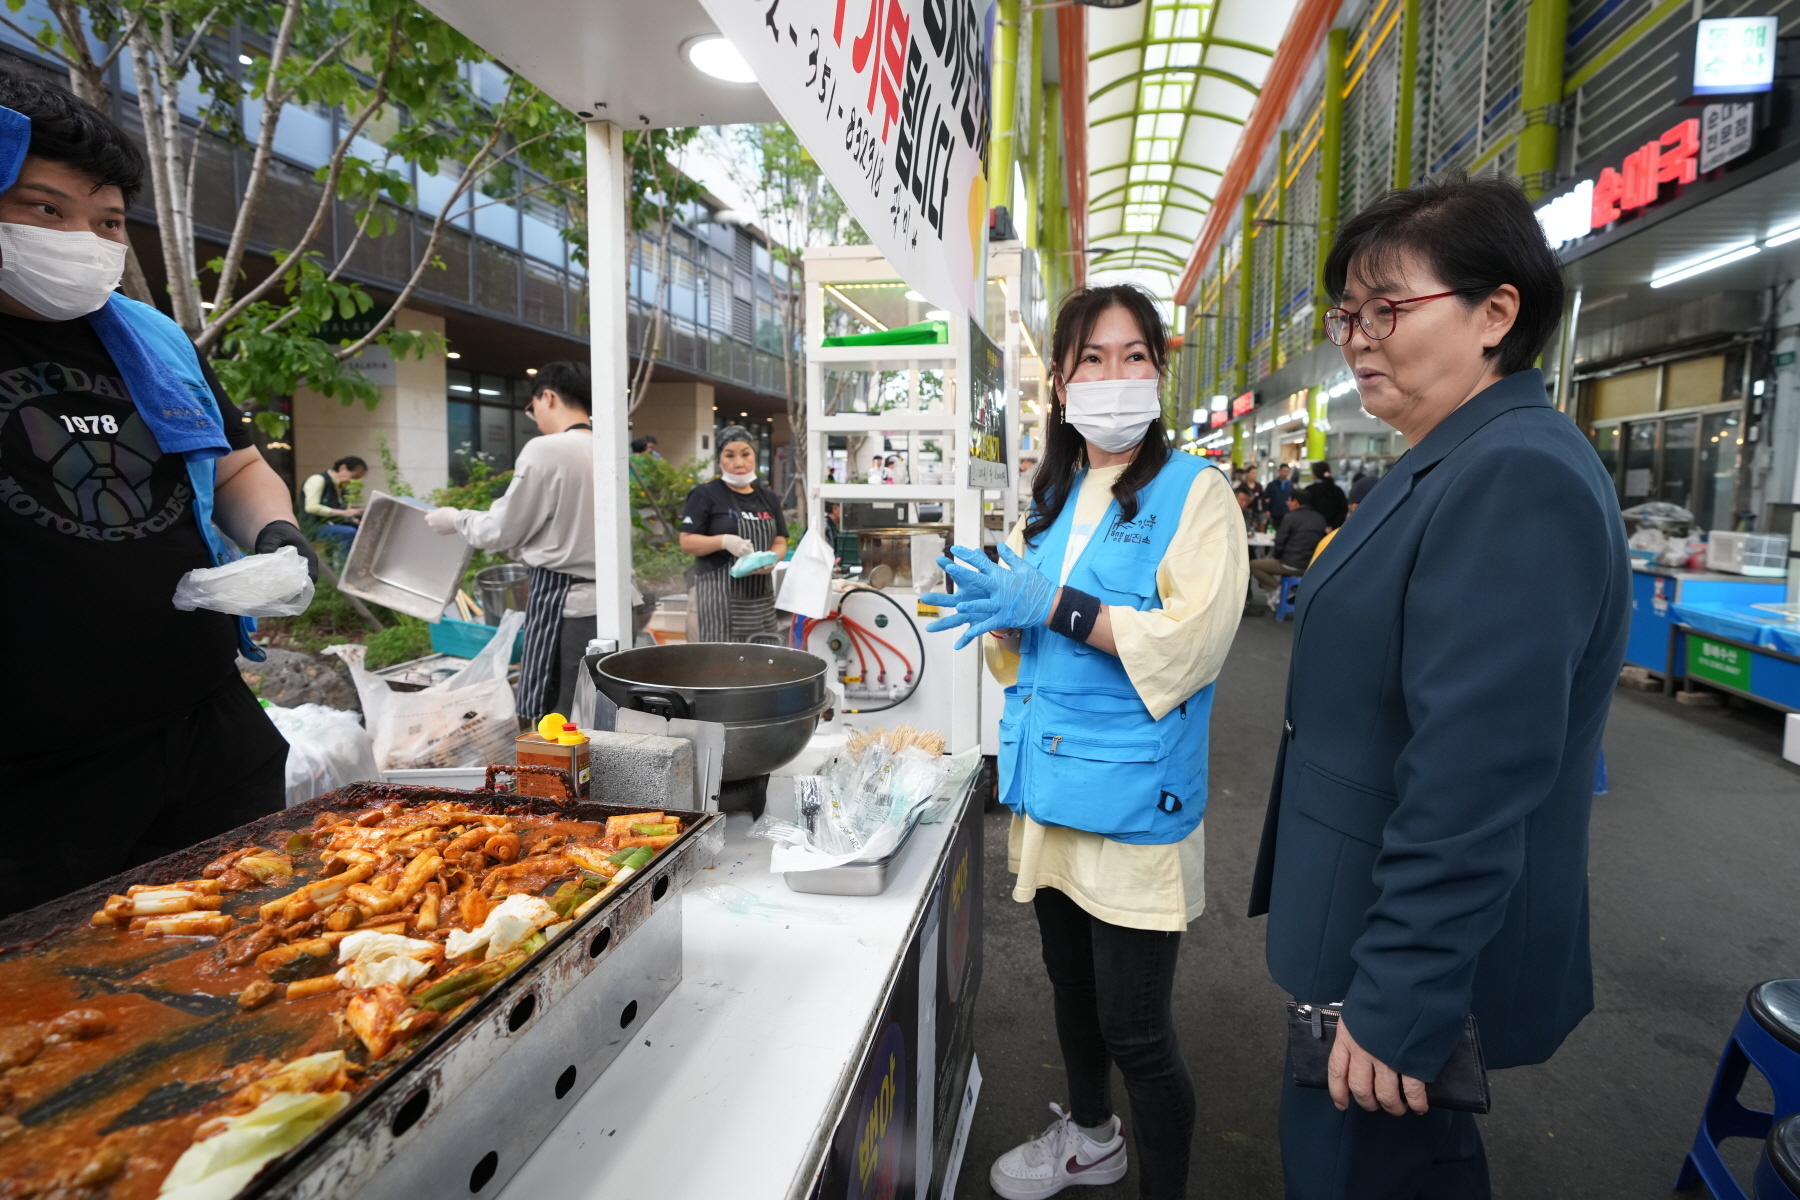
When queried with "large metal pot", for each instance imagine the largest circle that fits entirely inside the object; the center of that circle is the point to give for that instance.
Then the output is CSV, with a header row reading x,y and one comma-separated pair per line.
x,y
892,547
768,698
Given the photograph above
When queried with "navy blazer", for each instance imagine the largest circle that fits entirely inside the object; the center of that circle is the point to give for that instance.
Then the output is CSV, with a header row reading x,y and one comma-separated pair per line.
x,y
1455,650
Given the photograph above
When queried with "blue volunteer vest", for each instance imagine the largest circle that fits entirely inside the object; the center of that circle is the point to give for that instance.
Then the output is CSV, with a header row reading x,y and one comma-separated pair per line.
x,y
1077,746
162,372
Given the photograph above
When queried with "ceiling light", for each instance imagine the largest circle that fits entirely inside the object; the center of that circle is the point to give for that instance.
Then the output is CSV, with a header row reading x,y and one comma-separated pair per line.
x,y
937,314
451,354
712,55
914,296
1717,260
245,59
1783,238
531,370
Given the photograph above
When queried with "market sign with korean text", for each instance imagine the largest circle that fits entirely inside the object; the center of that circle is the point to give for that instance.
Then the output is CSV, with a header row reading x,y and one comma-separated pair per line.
x,y
1697,145
891,99
1734,56
1718,663
1243,404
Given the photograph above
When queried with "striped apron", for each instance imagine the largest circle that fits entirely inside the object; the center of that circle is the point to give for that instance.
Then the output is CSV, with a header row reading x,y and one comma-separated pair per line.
x,y
545,592
731,610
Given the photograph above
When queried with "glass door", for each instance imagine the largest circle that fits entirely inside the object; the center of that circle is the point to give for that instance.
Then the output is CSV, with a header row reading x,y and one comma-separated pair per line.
x,y
1606,444
1721,445
1677,483
1640,462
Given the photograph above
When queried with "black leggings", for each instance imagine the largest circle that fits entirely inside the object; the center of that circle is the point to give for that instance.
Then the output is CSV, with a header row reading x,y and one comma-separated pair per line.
x,y
1113,987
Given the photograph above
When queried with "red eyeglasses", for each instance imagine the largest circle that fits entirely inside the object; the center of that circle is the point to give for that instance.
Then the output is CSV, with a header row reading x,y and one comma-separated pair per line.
x,y
1377,316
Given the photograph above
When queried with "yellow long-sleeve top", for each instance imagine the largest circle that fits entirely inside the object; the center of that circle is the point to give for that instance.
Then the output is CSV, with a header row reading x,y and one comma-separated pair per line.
x,y
1169,653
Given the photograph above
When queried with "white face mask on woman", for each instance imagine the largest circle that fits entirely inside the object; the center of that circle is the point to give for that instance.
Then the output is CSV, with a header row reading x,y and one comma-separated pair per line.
x,y
736,480
58,274
1113,414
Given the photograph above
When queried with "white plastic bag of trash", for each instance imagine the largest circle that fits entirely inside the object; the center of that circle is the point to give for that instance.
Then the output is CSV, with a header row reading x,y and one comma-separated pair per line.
x,y
327,748
257,585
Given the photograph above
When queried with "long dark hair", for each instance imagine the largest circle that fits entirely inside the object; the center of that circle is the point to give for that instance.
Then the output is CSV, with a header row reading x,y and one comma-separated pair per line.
x,y
1065,450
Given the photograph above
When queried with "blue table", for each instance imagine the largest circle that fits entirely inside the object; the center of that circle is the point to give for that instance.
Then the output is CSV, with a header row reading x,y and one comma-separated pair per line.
x,y
1737,649
1655,589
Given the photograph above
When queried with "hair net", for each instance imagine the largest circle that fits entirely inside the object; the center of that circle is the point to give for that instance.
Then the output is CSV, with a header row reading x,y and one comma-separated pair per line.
x,y
730,434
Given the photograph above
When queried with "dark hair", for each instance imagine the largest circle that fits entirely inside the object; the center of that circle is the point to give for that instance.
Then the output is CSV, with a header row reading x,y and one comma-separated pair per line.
x,y
74,132
350,461
1475,234
1321,470
1065,450
568,380
1307,496
649,439
639,445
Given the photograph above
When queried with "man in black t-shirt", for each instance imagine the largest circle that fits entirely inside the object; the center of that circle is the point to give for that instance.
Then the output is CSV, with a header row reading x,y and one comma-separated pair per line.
x,y
131,734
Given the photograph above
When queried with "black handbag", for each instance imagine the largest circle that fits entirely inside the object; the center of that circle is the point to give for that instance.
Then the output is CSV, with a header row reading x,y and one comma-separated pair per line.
x,y
1312,1029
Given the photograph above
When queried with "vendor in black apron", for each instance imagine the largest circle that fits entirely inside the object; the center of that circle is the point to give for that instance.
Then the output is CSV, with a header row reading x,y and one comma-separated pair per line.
x,y
724,520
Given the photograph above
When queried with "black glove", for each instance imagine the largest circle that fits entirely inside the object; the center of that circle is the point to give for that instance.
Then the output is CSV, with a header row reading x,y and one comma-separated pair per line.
x,y
277,534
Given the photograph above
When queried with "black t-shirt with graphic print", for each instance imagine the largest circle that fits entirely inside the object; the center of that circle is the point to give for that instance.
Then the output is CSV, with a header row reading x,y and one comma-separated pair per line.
x,y
96,528
713,508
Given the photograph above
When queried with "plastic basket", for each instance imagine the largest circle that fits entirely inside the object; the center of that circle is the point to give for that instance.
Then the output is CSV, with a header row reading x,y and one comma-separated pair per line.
x,y
464,639
1757,554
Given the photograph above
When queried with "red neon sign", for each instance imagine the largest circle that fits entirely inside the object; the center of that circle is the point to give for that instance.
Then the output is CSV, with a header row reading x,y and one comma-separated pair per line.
x,y
1243,404
1668,159
1216,419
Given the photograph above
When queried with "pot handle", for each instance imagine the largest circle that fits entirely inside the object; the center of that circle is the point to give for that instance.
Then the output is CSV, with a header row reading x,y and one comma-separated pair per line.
x,y
671,706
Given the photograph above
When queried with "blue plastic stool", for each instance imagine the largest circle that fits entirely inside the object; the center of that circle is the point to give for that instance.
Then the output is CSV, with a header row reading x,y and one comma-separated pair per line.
x,y
1768,1036
1284,600
1778,1171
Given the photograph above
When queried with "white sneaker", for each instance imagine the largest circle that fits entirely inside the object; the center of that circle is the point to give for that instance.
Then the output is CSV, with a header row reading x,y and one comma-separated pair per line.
x,y
1063,1157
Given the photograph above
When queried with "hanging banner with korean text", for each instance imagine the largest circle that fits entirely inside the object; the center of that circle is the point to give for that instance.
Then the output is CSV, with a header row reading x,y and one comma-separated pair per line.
x,y
891,99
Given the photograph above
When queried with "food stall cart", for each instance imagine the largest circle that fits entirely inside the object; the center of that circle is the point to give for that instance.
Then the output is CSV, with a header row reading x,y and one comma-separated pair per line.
x,y
1747,650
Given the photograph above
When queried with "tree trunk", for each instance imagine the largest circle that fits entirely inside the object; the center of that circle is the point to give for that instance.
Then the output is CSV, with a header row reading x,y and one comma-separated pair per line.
x,y
168,181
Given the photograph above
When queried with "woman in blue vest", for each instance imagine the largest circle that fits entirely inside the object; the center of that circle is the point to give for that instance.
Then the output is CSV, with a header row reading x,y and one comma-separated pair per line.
x,y
1112,608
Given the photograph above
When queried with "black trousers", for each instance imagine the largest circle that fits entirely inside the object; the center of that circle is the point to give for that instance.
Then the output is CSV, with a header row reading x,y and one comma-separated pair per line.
x,y
130,793
1358,1155
1113,986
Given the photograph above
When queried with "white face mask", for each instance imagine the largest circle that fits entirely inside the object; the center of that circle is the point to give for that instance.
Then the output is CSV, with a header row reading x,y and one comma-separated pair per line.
x,y
58,274
1113,414
736,480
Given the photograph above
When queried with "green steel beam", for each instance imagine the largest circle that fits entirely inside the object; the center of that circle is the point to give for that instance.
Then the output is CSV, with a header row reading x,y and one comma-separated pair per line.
x,y
1164,112
1218,377
1276,268
1205,39
1151,252
1213,72
1034,134
1123,186
1246,290
1055,236
1001,150
1403,117
1331,165
1166,204
1541,93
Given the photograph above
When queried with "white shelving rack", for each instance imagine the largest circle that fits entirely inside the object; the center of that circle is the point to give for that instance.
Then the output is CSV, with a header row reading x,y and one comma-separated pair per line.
x,y
869,394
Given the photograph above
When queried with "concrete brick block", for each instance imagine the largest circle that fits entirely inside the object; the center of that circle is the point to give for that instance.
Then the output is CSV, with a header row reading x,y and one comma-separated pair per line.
x,y
642,770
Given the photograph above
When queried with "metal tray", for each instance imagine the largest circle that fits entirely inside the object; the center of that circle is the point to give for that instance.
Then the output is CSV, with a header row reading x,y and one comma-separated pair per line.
x,y
398,562
470,1106
853,878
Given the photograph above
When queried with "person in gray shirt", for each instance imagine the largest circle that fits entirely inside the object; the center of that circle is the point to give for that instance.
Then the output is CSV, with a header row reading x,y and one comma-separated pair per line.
x,y
1295,542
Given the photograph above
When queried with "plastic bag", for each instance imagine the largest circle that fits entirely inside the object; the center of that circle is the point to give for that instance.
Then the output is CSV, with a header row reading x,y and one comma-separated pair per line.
x,y
859,807
750,564
260,585
327,748
469,720
806,589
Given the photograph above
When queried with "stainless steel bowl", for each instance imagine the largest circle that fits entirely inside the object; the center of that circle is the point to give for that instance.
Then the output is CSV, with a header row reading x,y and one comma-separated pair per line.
x,y
768,698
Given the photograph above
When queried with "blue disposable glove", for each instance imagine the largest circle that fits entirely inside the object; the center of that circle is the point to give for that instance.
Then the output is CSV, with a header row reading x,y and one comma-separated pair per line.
x,y
989,596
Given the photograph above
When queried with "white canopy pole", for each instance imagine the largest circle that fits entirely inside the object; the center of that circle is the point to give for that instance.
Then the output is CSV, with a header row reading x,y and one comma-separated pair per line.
x,y
606,180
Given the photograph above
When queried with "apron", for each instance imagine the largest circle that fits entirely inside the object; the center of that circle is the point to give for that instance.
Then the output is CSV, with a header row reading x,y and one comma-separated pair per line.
x,y
545,593
733,610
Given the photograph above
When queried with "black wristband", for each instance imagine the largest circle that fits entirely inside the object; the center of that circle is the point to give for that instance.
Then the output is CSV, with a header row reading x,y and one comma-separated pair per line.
x,y
1075,614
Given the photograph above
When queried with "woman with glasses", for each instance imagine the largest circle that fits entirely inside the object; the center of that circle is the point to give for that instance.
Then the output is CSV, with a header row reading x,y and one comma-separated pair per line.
x,y
1424,857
